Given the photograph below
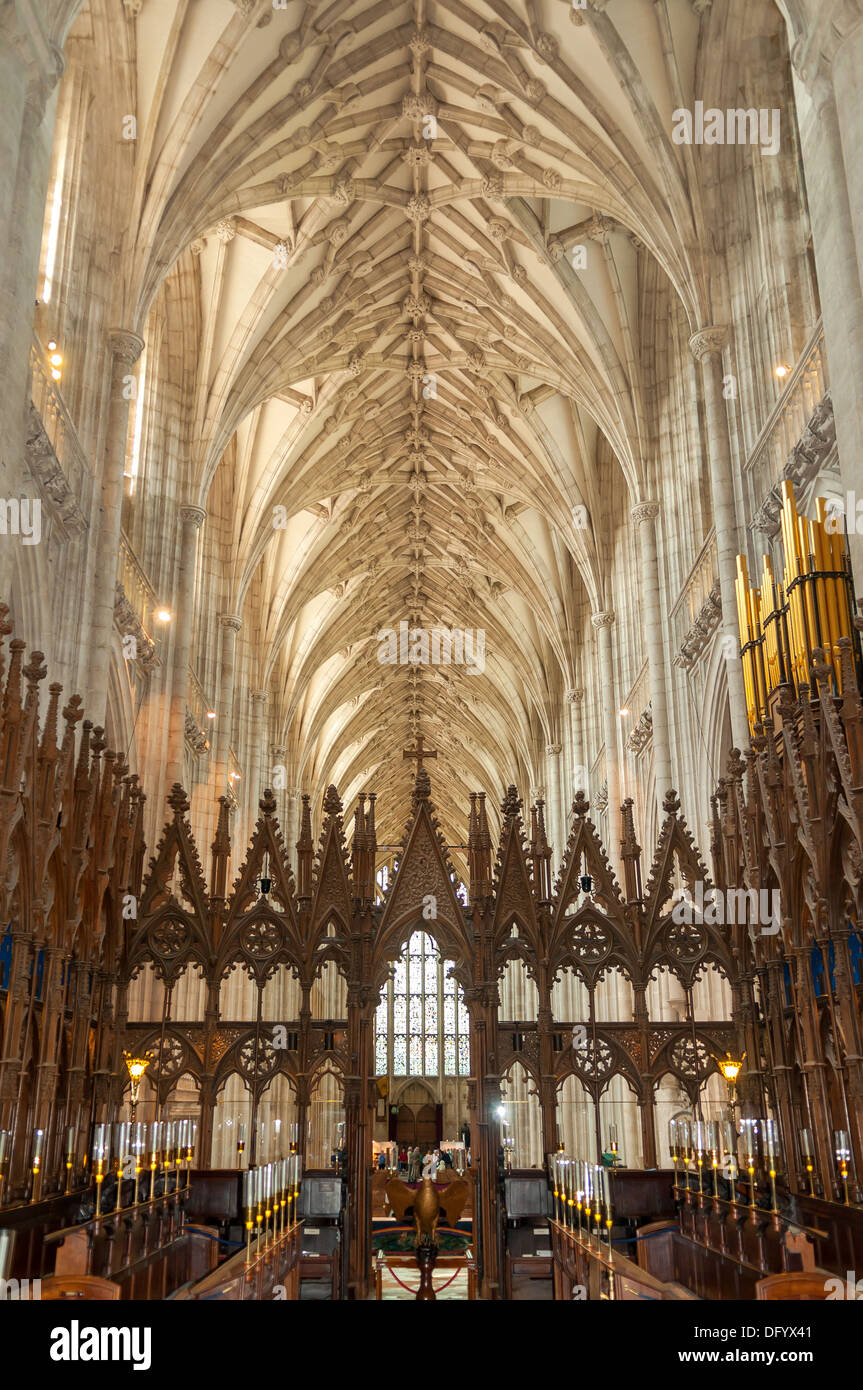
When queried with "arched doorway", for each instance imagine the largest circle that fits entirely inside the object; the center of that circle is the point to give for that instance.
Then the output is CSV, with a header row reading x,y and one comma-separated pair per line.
x,y
419,1119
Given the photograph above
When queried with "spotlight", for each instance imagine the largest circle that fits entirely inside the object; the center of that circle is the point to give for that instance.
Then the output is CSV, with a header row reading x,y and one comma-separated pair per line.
x,y
57,359
162,615
782,371
52,346
211,714
624,713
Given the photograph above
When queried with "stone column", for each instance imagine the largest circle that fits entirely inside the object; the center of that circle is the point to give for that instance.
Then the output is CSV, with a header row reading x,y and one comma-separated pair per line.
x,y
191,518
256,758
644,514
603,622
126,348
835,201
277,779
230,625
30,68
575,700
706,346
294,811
555,818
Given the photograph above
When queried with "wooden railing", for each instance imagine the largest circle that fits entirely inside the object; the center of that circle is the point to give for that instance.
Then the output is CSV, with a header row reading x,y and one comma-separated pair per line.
x,y
143,1246
587,1268
270,1269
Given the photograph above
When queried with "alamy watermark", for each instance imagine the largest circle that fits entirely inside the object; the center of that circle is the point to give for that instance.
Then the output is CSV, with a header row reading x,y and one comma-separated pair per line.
x,y
21,517
844,514
748,906
736,126
436,646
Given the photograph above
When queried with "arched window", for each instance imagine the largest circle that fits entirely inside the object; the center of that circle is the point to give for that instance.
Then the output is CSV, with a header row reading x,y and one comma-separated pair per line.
x,y
421,1025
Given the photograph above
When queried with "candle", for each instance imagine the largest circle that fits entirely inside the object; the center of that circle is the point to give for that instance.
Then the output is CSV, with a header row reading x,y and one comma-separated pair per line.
x,y
770,1138
750,1130
38,1144
4,1143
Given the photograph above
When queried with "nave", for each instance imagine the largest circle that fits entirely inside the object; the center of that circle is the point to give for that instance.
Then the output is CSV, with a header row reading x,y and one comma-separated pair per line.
x,y
431,681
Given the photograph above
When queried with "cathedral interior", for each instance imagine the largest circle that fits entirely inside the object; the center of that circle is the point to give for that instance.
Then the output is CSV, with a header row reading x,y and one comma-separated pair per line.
x,y
431,683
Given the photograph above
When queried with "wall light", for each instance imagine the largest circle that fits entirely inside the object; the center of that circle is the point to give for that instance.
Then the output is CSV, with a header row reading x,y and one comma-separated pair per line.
x,y
163,616
782,371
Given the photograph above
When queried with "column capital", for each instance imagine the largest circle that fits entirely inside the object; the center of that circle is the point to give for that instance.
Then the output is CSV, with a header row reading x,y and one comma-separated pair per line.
x,y
602,619
574,697
552,749
125,345
279,753
231,620
260,697
709,340
193,516
645,511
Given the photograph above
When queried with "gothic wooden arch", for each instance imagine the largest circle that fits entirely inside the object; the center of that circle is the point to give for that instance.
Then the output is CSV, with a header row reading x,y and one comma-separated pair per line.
x,y
421,885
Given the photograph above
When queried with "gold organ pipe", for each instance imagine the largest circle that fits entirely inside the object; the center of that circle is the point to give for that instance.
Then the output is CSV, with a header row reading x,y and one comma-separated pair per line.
x,y
781,623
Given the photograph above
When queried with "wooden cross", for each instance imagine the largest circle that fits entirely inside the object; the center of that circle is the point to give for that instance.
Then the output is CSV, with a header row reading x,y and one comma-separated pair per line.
x,y
419,752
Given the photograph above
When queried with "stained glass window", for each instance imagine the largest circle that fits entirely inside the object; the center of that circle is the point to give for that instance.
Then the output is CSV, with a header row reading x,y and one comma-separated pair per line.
x,y
430,1028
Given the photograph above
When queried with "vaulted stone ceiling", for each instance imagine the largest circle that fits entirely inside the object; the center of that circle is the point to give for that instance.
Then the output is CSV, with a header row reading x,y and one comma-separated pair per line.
x,y
418,397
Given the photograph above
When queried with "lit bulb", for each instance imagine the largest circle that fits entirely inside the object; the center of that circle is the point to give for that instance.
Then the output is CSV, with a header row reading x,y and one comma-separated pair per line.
x,y
52,345
57,359
56,374
163,616
624,713
782,370
211,714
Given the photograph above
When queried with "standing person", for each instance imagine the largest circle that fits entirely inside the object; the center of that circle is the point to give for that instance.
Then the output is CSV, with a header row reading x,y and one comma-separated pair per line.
x,y
403,1159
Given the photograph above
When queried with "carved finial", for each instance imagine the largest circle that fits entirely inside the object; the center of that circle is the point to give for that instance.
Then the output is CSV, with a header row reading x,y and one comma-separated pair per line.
x,y
671,804
580,805
820,669
422,786
511,803
178,800
332,802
